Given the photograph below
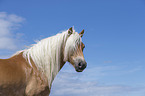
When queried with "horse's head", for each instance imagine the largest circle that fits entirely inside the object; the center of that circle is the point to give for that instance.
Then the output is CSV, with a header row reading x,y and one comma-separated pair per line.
x,y
73,51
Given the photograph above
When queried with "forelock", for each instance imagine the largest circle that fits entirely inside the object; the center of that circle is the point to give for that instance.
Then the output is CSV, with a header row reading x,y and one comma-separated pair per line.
x,y
72,44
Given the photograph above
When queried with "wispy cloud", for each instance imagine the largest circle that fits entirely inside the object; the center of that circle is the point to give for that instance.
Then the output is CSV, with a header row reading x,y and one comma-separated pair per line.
x,y
88,83
9,23
69,84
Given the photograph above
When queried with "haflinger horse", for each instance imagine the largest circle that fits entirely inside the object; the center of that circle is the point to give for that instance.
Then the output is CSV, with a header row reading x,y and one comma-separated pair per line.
x,y
30,72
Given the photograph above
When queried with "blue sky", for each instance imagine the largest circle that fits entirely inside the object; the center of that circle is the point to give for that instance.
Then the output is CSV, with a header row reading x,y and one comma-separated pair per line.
x,y
114,38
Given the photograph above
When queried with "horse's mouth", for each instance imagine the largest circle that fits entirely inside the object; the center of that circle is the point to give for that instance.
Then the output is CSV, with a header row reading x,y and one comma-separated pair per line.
x,y
79,70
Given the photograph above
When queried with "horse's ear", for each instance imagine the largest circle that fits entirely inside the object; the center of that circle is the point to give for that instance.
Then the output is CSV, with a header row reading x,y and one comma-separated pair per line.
x,y
70,31
81,33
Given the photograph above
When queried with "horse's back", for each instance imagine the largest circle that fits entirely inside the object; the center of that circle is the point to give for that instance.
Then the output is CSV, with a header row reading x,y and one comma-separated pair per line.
x,y
17,78
11,71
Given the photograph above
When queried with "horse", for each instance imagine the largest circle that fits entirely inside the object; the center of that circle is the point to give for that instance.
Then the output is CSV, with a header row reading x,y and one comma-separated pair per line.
x,y
30,72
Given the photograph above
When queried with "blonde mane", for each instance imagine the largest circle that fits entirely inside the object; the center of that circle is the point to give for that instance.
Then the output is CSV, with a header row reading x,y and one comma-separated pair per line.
x,y
46,54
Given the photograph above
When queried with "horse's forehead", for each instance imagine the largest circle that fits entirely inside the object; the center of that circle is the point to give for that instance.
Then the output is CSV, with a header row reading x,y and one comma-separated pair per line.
x,y
75,37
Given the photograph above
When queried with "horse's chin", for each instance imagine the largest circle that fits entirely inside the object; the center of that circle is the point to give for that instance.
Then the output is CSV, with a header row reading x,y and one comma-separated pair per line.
x,y
79,70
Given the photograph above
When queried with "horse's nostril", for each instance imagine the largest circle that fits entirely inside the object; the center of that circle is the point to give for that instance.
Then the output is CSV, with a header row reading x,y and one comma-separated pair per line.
x,y
79,64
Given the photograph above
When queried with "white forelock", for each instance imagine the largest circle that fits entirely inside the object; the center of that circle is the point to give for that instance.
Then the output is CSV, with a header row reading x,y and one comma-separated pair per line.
x,y
71,45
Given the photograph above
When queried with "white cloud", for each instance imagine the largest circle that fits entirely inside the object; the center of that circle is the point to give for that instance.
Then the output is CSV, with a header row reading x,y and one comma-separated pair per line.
x,y
9,23
7,43
70,83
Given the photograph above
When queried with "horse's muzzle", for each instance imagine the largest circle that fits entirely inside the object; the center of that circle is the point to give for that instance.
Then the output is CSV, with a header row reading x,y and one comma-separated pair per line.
x,y
80,66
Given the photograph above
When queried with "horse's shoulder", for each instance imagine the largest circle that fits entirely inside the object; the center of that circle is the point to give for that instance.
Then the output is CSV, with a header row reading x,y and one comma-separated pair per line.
x,y
37,84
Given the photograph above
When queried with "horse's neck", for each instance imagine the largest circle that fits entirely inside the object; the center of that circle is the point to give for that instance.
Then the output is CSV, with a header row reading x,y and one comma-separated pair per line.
x,y
48,55
55,65
61,64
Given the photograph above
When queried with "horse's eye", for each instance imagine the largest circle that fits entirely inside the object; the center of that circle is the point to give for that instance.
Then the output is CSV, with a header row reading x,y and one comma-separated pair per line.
x,y
83,47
